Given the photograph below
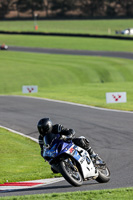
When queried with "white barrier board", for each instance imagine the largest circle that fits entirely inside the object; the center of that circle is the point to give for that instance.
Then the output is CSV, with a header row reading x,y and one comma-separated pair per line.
x,y
30,89
116,97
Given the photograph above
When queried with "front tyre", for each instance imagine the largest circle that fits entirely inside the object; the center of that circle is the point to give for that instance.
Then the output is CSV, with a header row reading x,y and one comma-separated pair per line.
x,y
104,174
70,172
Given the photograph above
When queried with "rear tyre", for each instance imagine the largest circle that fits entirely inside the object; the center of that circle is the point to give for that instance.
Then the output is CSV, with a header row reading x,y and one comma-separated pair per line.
x,y
104,174
70,172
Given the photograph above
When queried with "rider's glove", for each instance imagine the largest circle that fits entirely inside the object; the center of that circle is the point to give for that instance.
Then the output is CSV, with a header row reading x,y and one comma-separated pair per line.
x,y
71,132
66,137
67,132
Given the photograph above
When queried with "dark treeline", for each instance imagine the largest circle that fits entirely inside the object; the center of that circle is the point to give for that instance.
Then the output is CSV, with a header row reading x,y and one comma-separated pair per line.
x,y
65,8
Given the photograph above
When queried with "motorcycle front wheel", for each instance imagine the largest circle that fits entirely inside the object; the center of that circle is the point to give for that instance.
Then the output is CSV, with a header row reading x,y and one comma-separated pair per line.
x,y
70,172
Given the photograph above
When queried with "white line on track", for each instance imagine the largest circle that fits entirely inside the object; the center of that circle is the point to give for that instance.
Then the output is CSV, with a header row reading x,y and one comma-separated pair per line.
x,y
71,103
13,131
42,181
36,183
58,101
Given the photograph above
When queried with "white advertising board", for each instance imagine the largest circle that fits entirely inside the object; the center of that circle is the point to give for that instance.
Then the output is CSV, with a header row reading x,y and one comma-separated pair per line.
x,y
116,97
29,89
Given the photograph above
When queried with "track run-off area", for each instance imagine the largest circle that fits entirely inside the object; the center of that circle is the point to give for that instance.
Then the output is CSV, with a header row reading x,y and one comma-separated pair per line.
x,y
109,131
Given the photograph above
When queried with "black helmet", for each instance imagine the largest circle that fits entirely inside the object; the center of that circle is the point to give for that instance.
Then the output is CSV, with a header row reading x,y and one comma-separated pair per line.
x,y
44,126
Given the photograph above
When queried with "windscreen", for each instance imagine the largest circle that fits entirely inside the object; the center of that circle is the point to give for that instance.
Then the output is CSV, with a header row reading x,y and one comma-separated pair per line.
x,y
49,138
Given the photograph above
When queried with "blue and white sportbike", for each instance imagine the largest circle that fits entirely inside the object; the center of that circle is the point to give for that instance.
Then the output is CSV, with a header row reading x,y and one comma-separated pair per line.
x,y
73,162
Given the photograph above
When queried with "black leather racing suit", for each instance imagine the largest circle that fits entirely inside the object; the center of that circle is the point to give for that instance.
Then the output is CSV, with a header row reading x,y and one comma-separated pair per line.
x,y
59,129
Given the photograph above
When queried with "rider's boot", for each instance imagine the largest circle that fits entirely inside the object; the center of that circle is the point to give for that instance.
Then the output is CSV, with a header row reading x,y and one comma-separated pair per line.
x,y
95,158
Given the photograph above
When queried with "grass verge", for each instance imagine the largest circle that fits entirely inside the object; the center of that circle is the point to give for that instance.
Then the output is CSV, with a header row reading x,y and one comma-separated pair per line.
x,y
116,194
20,159
79,79
69,26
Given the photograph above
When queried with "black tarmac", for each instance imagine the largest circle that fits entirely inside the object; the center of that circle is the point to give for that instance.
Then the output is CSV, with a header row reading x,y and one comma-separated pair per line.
x,y
127,55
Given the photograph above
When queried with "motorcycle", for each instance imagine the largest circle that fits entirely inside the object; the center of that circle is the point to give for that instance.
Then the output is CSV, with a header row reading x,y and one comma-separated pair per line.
x,y
73,162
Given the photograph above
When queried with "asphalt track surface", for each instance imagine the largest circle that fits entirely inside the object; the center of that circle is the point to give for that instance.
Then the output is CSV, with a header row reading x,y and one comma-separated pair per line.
x,y
110,134
126,55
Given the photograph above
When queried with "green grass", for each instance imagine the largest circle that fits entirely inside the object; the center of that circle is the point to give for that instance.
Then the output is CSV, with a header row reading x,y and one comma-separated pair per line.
x,y
116,194
69,26
20,159
67,43
80,79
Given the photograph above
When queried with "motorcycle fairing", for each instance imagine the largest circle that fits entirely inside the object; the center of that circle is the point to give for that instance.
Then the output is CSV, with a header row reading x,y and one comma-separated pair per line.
x,y
59,147
82,156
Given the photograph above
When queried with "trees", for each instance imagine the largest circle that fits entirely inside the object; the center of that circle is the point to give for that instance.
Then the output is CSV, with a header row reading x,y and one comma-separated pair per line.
x,y
59,8
33,5
127,6
4,7
92,7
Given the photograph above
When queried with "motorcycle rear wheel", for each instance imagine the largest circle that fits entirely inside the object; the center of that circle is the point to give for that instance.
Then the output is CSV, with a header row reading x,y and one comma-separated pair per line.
x,y
70,172
104,174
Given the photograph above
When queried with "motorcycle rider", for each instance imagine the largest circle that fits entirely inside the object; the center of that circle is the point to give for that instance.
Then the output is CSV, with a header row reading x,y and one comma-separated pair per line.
x,y
46,128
